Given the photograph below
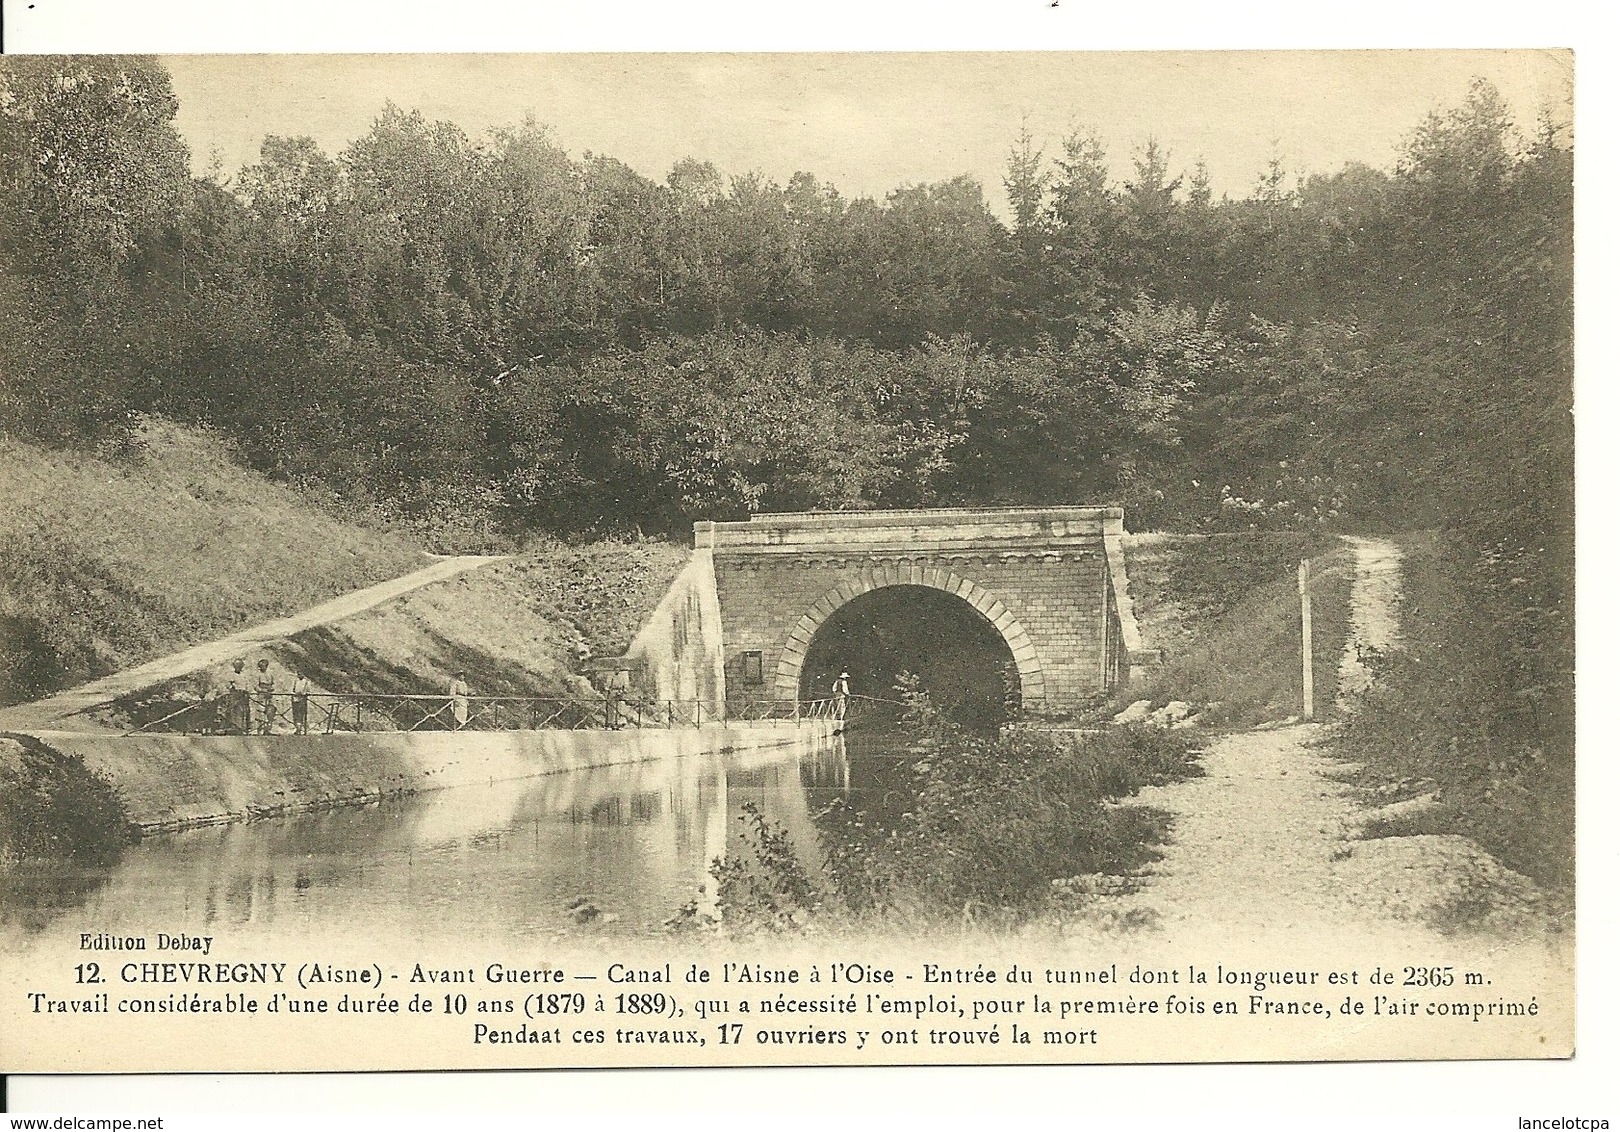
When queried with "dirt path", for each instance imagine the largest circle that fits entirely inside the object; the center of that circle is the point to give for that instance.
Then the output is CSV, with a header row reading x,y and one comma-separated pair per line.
x,y
1259,844
54,712
1269,842
1253,839
1375,625
1267,846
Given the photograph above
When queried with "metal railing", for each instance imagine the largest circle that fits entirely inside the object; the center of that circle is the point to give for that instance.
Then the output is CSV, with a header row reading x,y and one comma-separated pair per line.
x,y
328,713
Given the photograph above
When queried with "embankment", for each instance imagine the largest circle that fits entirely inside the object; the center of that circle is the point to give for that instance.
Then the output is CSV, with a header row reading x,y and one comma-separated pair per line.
x,y
1445,741
106,562
171,782
1224,611
509,629
54,808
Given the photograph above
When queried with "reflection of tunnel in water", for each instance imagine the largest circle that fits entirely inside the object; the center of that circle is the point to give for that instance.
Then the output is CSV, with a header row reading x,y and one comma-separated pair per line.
x,y
964,664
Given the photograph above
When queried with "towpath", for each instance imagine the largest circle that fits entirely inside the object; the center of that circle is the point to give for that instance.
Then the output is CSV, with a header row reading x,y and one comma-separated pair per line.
x,y
1261,844
54,712
1268,843
1375,622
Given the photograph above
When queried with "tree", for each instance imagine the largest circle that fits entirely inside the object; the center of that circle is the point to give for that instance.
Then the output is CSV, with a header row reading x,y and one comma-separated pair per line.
x,y
698,274
934,263
1025,270
90,162
524,265
1149,202
1026,182
1085,218
767,269
295,194
627,269
92,179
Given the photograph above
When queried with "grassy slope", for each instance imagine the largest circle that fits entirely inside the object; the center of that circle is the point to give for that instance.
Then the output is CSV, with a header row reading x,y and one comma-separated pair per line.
x,y
108,562
511,628
1225,610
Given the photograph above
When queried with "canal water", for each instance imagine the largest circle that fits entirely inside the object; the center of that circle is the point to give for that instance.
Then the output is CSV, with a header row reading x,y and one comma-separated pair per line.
x,y
613,850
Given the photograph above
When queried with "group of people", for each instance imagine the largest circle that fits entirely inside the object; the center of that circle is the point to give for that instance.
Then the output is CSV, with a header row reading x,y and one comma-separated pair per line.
x,y
247,704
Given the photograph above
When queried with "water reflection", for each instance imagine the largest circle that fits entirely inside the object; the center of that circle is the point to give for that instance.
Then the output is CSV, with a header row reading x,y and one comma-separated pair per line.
x,y
614,849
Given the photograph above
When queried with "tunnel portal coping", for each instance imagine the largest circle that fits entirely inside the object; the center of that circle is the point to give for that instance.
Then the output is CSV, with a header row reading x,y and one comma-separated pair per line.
x,y
919,530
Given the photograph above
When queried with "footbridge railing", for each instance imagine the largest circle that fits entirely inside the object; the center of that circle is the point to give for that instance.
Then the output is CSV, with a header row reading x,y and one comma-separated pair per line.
x,y
328,713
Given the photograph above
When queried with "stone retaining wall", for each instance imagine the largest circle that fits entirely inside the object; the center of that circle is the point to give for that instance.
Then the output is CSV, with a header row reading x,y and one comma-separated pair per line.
x,y
179,781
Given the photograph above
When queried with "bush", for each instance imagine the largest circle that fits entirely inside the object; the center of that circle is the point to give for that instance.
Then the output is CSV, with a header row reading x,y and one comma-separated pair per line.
x,y
1451,713
772,890
54,808
997,820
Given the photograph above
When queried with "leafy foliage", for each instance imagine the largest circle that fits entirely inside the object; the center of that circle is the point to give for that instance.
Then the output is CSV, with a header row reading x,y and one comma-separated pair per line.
x,y
772,890
53,808
999,818
999,829
1505,776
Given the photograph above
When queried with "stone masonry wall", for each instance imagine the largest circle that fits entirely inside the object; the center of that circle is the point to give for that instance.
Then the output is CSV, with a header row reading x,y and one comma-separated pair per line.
x,y
678,654
1053,607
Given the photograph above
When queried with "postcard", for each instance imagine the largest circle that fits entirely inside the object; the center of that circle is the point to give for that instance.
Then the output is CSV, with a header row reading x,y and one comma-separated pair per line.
x,y
572,560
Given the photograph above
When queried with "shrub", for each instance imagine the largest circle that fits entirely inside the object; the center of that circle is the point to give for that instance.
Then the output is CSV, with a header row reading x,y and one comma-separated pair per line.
x,y
769,888
997,819
1446,714
54,808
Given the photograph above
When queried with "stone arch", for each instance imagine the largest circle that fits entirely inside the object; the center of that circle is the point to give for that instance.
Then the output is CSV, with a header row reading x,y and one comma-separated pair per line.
x,y
1031,681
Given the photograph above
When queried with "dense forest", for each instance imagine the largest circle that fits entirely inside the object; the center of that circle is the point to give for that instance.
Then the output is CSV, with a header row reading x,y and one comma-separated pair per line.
x,y
491,337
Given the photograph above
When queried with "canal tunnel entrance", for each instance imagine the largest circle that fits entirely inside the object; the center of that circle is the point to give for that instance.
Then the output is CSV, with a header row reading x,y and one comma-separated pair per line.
x,y
958,656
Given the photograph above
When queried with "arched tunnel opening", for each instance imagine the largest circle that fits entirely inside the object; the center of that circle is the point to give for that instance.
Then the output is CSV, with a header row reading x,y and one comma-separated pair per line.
x,y
957,655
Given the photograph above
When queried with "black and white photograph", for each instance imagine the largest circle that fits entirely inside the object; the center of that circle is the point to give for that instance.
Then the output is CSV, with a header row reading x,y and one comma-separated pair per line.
x,y
805,558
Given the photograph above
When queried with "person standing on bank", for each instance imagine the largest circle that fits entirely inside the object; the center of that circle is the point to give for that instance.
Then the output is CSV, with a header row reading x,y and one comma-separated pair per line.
x,y
300,704
266,699
618,687
458,700
841,694
236,700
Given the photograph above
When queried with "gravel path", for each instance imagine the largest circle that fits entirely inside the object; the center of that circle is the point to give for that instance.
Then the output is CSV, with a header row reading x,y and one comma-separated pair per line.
x,y
1253,840
1375,625
1267,843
